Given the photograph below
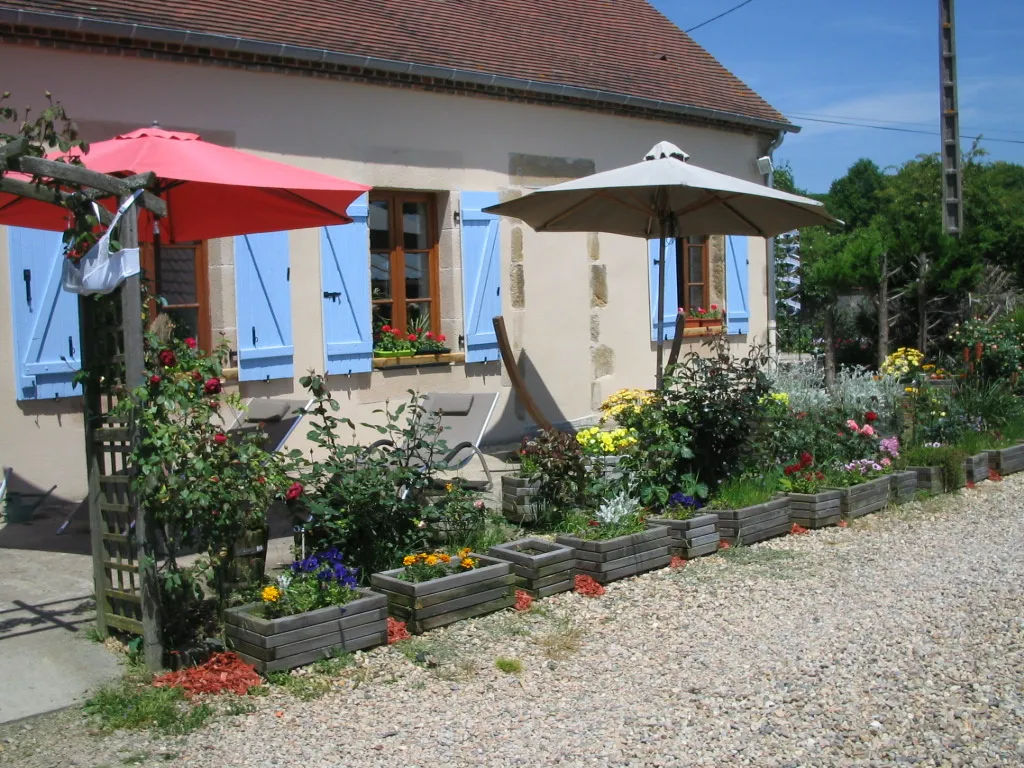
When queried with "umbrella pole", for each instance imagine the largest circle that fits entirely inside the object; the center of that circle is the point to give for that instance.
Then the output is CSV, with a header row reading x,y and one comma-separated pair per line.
x,y
660,321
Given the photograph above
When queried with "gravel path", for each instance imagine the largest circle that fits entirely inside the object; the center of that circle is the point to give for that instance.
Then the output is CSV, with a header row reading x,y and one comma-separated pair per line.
x,y
897,641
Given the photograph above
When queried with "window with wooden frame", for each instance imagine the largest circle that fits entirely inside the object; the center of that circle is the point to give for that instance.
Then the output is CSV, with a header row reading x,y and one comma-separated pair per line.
x,y
404,262
692,273
180,279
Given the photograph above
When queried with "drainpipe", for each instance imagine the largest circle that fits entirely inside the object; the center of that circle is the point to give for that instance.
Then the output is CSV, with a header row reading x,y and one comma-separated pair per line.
x,y
770,266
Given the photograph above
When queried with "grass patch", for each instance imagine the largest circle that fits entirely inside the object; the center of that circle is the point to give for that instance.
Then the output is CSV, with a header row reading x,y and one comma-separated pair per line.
x,y
302,687
507,625
745,491
564,639
335,665
508,665
136,758
135,704
761,556
441,659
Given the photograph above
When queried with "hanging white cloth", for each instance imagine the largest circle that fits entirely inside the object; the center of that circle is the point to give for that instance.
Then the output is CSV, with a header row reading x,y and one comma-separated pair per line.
x,y
101,270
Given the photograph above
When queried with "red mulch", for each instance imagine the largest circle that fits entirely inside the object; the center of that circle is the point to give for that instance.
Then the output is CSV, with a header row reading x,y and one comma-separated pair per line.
x,y
724,545
842,524
994,476
523,600
796,530
397,631
221,672
586,586
677,562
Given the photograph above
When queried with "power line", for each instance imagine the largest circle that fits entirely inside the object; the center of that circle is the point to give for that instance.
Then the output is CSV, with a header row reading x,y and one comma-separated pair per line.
x,y
810,115
899,130
716,18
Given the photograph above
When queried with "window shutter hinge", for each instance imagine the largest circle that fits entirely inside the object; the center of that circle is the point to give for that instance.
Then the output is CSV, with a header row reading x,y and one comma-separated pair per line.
x,y
456,216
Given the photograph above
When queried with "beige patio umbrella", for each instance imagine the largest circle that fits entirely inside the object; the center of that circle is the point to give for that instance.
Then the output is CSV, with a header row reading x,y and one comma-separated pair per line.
x,y
664,196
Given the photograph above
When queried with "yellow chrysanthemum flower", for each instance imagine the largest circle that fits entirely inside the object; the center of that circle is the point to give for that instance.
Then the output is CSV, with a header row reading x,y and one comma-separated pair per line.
x,y
468,563
464,552
271,594
409,560
445,558
432,560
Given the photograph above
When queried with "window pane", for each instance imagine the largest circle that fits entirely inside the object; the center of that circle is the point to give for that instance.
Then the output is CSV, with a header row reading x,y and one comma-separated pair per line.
x,y
696,265
696,296
382,314
176,275
414,226
417,276
186,321
380,276
417,318
695,240
380,226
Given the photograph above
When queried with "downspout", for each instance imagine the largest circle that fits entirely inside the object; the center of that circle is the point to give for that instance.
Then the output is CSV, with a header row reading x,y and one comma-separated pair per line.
x,y
770,265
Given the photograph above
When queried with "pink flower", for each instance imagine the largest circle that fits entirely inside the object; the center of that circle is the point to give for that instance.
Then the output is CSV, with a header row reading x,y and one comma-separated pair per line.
x,y
714,307
478,504
852,425
190,343
220,438
293,492
867,430
886,462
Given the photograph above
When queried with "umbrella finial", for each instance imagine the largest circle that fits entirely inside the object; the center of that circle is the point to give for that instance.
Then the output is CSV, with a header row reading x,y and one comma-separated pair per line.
x,y
665,149
156,124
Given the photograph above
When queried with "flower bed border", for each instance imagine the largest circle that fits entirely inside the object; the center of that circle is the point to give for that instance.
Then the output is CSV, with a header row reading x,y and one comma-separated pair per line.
x,y
1007,461
902,486
750,525
691,538
816,510
436,603
541,575
976,467
272,645
609,560
518,503
930,479
864,498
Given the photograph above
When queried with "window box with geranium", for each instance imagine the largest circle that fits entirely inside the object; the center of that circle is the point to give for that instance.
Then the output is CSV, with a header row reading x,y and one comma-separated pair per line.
x,y
393,342
707,318
434,589
313,611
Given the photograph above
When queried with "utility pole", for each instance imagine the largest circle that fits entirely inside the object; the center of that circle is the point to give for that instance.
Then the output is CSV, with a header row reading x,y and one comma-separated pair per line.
x,y
949,116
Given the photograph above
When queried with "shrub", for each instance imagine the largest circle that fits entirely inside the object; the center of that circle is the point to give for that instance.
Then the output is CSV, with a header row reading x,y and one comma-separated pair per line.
x,y
948,458
366,503
557,461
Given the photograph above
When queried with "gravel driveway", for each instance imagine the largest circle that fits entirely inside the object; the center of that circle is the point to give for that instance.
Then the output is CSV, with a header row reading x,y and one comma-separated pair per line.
x,y
897,641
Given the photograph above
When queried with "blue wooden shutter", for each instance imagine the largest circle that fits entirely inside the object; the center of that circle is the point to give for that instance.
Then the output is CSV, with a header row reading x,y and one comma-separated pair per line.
x,y
345,276
668,324
737,280
46,339
263,302
481,275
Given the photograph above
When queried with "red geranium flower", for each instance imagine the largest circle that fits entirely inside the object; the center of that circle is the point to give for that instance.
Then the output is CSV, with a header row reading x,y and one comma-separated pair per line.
x,y
870,416
386,329
293,492
168,358
395,332
412,337
154,380
212,386
806,459
429,335
191,343
441,337
220,438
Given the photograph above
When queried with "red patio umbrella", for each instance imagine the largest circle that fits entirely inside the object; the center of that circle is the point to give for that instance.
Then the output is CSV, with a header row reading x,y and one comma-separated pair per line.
x,y
211,191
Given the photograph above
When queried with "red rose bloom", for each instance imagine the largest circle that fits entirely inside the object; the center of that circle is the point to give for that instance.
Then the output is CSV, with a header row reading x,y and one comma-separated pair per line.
x,y
220,438
154,380
212,386
168,358
190,343
197,375
870,416
412,337
293,492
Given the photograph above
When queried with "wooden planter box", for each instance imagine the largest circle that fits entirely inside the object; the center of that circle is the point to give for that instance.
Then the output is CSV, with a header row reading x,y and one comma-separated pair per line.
x,y
691,538
902,486
756,523
817,510
605,465
929,479
865,498
623,556
439,602
272,645
1007,460
542,568
519,499
976,467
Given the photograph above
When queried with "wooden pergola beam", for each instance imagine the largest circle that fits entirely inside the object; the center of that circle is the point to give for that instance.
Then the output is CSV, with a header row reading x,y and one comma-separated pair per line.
x,y
79,174
44,194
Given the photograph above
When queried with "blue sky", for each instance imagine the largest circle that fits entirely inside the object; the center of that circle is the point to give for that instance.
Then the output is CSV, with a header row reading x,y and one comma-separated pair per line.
x,y
876,60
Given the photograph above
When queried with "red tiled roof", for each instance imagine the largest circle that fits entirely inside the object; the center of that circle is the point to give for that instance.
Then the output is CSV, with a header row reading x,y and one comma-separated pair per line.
x,y
618,46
